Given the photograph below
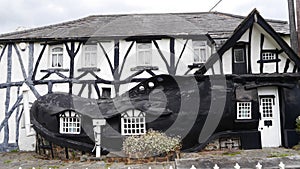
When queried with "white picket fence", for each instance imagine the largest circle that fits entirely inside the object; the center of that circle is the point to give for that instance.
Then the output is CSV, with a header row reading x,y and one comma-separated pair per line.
x,y
237,166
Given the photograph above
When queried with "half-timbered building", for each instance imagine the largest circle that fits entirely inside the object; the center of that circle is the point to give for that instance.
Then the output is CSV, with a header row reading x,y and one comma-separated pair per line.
x,y
103,56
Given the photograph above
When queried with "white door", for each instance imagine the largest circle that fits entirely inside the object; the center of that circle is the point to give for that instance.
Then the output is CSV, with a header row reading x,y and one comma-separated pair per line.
x,y
269,124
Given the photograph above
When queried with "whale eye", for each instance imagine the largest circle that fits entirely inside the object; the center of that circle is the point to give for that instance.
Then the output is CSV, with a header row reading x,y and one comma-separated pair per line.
x,y
141,88
151,84
160,79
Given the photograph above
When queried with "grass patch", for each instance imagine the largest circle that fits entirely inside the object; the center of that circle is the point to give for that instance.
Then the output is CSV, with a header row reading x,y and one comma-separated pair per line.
x,y
297,147
7,161
231,153
53,167
14,151
276,155
108,165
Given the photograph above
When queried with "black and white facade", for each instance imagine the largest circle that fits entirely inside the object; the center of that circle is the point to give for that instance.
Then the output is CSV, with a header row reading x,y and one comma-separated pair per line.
x,y
102,57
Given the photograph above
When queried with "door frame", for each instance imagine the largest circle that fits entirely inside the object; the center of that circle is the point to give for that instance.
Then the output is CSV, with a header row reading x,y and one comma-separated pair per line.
x,y
242,46
270,91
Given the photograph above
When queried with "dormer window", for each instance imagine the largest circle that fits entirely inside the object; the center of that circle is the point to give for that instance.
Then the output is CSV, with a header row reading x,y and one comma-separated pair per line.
x,y
89,56
144,54
70,123
56,57
133,122
200,51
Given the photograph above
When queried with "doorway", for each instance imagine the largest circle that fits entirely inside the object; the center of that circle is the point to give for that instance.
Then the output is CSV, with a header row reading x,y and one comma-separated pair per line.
x,y
269,124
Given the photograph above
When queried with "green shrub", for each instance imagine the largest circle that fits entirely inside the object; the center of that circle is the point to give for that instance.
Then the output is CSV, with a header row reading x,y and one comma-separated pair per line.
x,y
298,124
153,143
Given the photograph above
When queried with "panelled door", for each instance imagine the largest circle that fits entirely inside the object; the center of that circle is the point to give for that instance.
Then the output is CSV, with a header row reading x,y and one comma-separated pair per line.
x,y
239,60
269,124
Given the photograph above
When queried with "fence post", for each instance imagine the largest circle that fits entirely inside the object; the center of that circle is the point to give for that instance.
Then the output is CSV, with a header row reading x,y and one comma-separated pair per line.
x,y
281,165
237,166
216,166
258,166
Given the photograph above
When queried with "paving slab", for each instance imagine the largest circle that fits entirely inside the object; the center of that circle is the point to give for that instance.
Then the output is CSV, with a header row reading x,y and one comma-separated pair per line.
x,y
268,158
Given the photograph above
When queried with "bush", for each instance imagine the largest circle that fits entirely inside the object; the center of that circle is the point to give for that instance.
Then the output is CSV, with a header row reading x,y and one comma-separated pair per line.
x,y
298,124
153,143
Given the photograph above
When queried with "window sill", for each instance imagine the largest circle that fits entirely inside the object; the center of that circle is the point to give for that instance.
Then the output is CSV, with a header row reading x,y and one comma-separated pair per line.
x,y
195,65
245,120
70,135
52,70
268,61
137,68
94,69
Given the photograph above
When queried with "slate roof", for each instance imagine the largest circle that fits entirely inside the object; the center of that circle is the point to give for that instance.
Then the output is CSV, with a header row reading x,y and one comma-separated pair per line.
x,y
216,24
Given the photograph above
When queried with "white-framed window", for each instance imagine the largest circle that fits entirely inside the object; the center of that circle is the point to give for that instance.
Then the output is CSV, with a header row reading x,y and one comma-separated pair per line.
x,y
239,55
243,110
133,122
200,51
70,123
56,57
268,56
89,56
144,54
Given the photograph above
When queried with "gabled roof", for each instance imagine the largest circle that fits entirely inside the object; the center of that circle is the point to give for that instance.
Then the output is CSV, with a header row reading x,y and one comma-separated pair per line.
x,y
216,24
253,17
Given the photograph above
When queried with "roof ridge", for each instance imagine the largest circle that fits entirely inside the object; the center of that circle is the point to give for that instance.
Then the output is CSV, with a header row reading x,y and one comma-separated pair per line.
x,y
44,27
96,17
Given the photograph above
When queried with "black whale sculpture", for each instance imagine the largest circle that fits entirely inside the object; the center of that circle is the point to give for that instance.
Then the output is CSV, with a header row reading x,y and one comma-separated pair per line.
x,y
197,108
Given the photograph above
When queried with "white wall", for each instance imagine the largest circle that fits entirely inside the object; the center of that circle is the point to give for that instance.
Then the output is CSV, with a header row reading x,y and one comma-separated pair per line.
x,y
28,143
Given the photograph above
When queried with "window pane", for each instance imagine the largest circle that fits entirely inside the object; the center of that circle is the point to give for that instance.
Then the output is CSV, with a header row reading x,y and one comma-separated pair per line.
x,y
144,54
57,57
196,55
57,49
202,55
239,56
89,56
136,123
70,123
243,110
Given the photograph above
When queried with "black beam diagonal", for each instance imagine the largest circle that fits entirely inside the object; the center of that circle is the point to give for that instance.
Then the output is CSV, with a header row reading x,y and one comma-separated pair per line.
x,y
180,56
81,89
97,90
151,73
125,57
3,50
38,61
162,56
133,75
82,75
107,58
9,113
20,61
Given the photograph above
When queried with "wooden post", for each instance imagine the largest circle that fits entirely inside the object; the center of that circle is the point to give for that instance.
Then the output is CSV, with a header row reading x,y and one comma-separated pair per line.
x,y
298,23
293,33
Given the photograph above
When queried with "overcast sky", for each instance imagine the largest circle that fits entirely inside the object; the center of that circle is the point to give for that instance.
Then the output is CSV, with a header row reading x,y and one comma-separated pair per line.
x,y
35,13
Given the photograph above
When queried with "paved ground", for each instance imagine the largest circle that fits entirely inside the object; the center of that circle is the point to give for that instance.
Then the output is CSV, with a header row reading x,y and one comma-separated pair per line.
x,y
269,158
